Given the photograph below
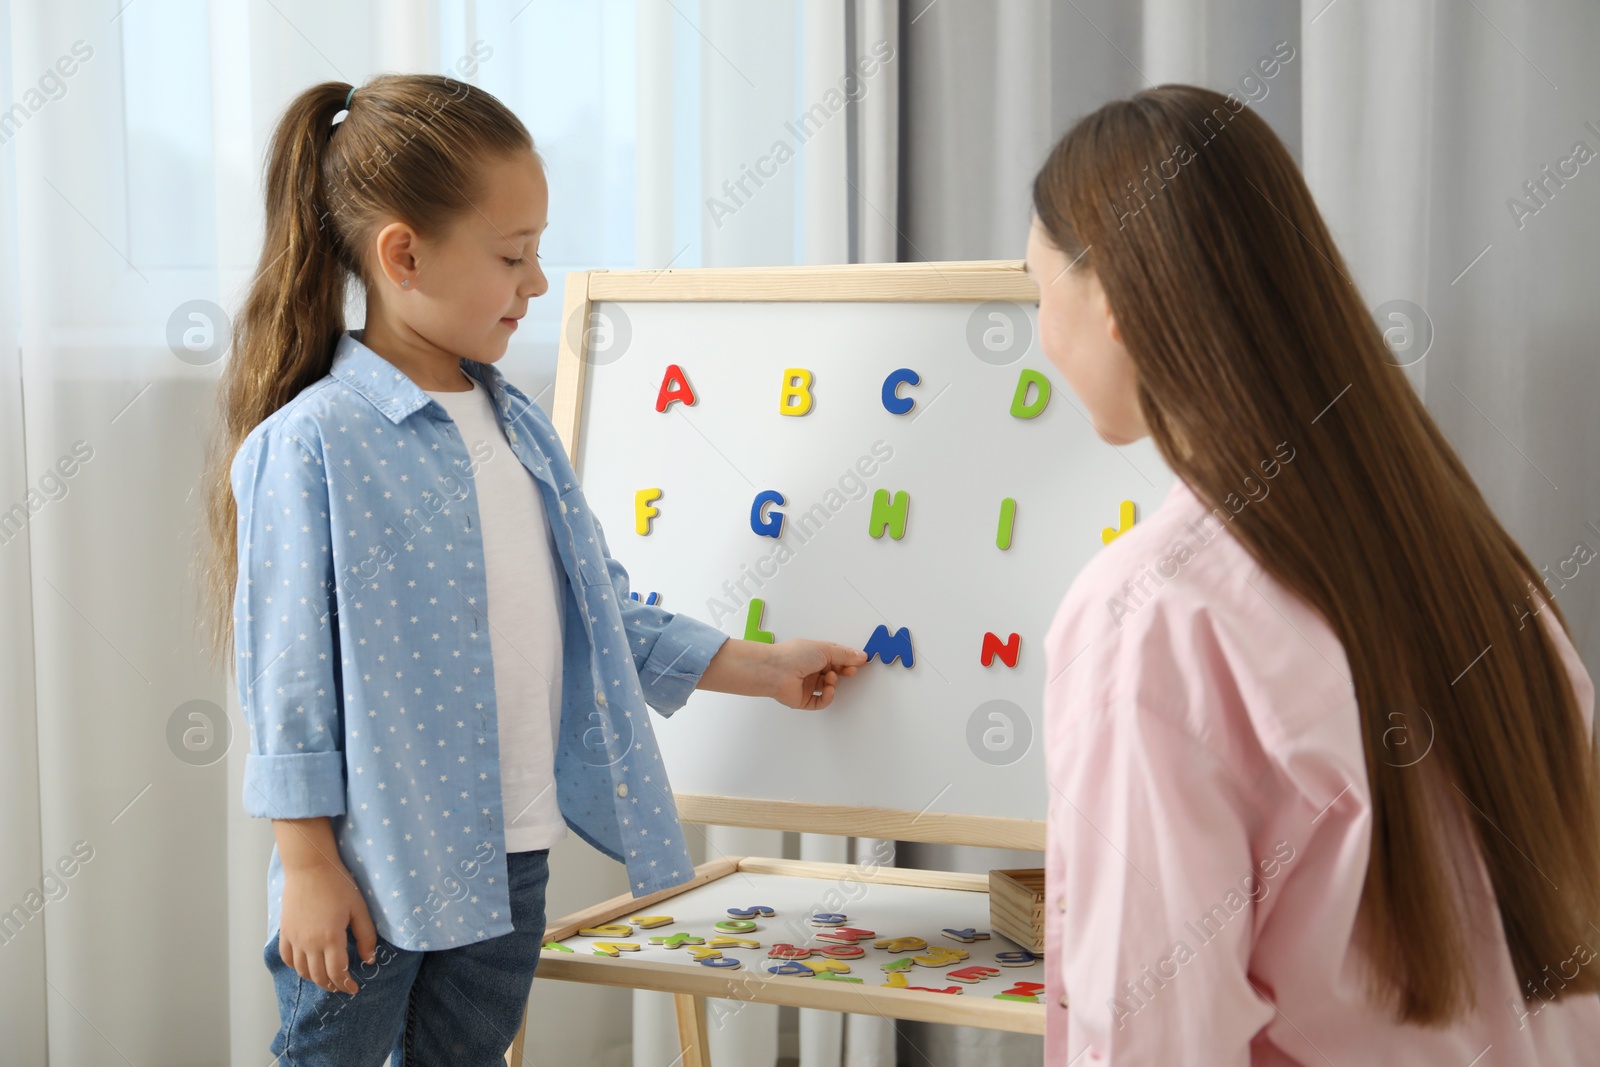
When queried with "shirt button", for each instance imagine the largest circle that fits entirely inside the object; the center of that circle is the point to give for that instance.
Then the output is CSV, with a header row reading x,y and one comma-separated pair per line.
x,y
563,507
600,698
622,790
1063,1000
1061,903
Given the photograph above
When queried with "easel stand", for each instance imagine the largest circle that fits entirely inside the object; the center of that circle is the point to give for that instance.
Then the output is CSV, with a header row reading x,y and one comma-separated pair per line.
x,y
896,903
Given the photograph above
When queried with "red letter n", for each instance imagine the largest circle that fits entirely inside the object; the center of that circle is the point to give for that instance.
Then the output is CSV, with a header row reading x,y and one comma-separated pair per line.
x,y
1007,651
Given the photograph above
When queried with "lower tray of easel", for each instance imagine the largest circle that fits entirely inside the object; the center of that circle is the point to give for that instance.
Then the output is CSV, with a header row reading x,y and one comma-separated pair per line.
x,y
893,903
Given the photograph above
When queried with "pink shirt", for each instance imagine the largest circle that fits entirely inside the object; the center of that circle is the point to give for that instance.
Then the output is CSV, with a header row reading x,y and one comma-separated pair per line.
x,y
1209,822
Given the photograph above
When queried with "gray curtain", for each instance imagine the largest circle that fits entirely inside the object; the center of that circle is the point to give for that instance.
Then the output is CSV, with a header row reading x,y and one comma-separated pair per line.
x,y
1418,125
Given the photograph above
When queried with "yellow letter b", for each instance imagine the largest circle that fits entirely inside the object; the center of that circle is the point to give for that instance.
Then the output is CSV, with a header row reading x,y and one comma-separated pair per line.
x,y
796,396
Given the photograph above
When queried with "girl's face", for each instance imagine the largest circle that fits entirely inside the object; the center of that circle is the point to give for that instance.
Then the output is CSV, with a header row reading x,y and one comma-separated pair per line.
x,y
468,286
1080,337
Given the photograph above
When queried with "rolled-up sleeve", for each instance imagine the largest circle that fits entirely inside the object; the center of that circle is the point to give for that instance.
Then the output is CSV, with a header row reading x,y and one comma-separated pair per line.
x,y
285,637
670,651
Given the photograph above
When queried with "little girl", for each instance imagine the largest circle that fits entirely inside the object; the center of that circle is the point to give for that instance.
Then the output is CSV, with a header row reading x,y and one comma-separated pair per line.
x,y
437,657
1323,783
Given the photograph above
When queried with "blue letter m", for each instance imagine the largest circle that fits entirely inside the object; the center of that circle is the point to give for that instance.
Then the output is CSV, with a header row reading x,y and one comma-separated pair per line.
x,y
889,648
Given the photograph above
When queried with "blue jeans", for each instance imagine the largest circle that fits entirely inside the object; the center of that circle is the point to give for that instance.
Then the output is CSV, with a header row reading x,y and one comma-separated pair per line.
x,y
457,1007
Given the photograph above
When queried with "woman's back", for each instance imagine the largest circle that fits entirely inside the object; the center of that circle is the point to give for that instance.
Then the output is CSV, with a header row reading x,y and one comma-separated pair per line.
x,y
1210,827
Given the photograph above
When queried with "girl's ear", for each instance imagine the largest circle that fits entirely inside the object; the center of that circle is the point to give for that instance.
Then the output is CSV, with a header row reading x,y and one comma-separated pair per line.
x,y
396,246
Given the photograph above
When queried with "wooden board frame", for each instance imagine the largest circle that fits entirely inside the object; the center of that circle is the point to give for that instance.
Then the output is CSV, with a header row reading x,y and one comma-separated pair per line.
x,y
967,280
975,280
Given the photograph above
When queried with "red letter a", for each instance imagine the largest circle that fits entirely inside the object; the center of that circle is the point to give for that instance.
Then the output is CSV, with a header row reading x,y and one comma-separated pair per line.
x,y
674,386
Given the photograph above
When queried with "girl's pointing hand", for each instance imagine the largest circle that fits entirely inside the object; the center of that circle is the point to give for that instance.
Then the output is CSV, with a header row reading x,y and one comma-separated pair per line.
x,y
799,673
804,672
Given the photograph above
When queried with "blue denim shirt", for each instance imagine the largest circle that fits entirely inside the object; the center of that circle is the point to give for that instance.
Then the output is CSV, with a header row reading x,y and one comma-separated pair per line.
x,y
363,654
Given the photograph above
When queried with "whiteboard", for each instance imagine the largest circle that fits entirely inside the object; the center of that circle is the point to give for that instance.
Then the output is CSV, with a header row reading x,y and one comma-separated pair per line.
x,y
946,734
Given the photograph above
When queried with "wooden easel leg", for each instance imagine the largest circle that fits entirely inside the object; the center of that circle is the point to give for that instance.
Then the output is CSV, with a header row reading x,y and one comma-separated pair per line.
x,y
514,1053
691,1011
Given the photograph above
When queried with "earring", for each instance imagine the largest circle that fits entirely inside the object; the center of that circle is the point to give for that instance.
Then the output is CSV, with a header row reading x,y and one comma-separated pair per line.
x,y
405,281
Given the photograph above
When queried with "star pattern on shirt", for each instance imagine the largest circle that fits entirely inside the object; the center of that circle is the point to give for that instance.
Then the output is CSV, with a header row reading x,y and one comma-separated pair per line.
x,y
358,626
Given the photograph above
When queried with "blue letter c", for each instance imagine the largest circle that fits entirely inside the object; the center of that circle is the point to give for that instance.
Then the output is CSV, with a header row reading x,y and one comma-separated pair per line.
x,y
892,400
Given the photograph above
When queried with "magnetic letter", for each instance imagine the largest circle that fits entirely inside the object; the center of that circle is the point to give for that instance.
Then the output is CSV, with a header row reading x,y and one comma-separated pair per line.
x,y
614,948
972,974
821,966
1020,407
887,515
677,940
798,970
784,951
939,956
674,386
770,525
840,952
1019,958
887,648
752,622
1025,989
1008,651
1125,520
796,396
642,511
732,942
1008,519
892,400
608,930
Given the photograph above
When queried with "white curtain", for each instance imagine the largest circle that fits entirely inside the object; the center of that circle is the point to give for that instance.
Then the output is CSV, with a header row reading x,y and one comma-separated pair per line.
x,y
129,190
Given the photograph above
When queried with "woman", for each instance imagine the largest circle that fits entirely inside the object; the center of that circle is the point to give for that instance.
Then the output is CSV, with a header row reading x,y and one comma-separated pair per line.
x,y
1320,750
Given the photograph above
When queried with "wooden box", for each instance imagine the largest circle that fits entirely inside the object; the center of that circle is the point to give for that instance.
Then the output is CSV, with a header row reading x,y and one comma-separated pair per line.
x,y
1016,906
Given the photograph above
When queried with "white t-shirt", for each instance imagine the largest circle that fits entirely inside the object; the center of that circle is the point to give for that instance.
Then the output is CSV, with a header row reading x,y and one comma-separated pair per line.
x,y
524,617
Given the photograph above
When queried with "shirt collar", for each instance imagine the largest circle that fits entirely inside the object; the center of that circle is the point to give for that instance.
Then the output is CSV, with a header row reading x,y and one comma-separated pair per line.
x,y
387,386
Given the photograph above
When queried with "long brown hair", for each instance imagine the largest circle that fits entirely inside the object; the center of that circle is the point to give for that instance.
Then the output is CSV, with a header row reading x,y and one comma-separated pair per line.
x,y
1245,330
410,148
